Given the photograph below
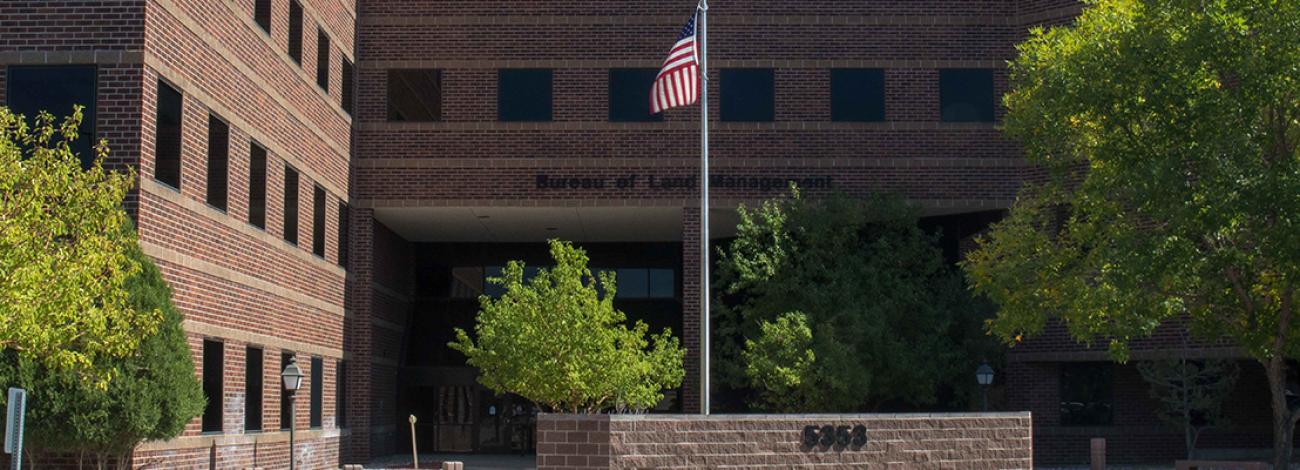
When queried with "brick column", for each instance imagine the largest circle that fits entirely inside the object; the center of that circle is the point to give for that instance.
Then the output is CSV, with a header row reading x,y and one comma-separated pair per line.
x,y
691,308
357,335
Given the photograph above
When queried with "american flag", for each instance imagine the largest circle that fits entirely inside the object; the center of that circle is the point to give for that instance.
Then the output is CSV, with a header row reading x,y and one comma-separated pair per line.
x,y
678,83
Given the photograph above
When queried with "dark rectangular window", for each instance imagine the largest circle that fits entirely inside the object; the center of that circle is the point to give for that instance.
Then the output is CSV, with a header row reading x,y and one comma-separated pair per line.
x,y
285,410
966,95
257,186
318,221
253,389
218,162
343,234
414,95
340,395
1087,393
290,205
262,14
748,95
346,99
629,95
295,31
857,95
56,89
317,390
167,137
213,373
524,95
322,59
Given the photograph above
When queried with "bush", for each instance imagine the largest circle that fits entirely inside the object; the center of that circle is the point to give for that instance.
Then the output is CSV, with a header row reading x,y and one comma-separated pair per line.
x,y
555,340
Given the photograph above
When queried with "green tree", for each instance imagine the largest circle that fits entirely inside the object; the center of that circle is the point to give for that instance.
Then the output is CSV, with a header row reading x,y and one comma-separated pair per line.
x,y
153,394
888,323
555,340
781,364
1191,393
1169,133
64,251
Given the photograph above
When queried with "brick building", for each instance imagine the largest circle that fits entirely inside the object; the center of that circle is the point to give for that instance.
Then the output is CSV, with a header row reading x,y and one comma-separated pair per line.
x,y
334,179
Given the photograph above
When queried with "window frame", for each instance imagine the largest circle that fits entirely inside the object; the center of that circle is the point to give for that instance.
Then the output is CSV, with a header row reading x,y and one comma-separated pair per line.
x,y
295,31
212,419
257,194
253,394
318,220
84,146
290,226
732,106
322,59
620,76
179,157
851,108
985,111
507,101
218,175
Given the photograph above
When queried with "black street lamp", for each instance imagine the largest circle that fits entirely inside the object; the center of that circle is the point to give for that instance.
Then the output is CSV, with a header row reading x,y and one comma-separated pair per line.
x,y
292,379
984,375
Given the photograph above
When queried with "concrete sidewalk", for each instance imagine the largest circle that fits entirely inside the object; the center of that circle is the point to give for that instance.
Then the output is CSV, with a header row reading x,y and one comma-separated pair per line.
x,y
471,461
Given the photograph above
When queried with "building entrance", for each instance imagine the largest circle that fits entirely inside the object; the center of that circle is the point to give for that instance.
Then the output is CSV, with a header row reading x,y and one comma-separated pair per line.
x,y
455,413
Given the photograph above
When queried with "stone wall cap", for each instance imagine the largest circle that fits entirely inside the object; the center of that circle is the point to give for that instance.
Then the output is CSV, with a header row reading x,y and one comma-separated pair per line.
x,y
809,416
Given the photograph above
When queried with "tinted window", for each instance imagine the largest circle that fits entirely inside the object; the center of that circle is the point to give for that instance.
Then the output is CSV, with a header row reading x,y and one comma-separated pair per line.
x,y
290,205
317,390
213,372
524,95
318,221
346,99
1087,393
218,162
56,89
253,389
257,186
632,283
966,95
857,95
262,14
629,95
167,137
322,59
285,411
662,284
343,234
414,95
295,31
747,95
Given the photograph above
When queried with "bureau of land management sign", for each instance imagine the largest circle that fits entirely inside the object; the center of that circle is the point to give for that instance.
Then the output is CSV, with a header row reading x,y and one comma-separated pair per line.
x,y
659,182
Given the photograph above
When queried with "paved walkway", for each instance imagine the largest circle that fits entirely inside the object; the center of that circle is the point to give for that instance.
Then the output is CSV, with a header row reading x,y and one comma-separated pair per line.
x,y
472,461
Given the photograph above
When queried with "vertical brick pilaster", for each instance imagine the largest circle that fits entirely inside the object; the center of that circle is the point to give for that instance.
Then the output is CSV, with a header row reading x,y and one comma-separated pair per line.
x,y
357,335
691,308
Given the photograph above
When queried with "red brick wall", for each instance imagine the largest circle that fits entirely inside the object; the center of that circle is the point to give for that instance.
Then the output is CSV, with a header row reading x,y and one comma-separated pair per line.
x,y
967,441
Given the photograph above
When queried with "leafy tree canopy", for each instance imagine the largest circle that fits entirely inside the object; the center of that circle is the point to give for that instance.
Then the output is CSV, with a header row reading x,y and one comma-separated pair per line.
x,y
64,246
152,396
884,319
557,341
1169,132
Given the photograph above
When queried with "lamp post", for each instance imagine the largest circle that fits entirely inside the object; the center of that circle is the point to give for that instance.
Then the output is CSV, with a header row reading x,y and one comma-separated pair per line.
x,y
984,375
292,379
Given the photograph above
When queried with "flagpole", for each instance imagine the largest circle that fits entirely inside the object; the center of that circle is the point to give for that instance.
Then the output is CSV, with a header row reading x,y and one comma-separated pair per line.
x,y
705,336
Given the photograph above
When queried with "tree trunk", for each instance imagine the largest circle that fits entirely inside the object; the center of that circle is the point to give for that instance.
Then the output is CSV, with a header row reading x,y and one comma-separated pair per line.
x,y
1282,422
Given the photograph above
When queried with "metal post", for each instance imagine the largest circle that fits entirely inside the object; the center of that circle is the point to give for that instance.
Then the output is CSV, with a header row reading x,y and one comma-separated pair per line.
x,y
292,424
984,394
705,335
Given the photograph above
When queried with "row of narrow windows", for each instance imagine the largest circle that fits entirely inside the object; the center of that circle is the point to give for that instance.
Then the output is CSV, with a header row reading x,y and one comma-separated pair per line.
x,y
262,16
214,363
167,170
748,95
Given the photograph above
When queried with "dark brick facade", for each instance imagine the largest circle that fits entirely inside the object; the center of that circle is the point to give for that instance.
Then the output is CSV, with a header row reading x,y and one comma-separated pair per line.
x,y
948,441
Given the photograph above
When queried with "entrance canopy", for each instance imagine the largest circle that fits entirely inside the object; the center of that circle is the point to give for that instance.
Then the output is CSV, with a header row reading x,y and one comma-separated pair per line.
x,y
536,224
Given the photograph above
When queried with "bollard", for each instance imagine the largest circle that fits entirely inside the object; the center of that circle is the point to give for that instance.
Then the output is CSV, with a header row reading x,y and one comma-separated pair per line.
x,y
415,453
453,466
1098,453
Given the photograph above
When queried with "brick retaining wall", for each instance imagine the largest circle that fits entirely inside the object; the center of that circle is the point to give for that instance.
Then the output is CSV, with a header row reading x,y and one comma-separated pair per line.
x,y
893,441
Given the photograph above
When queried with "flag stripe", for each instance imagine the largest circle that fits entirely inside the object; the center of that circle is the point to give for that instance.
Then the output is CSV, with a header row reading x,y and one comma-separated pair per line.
x,y
678,81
